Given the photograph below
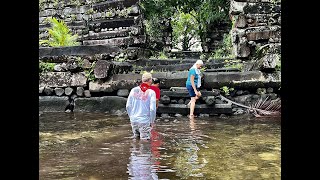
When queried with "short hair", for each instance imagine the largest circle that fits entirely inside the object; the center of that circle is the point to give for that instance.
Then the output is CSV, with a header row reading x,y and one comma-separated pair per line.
x,y
155,81
199,62
146,77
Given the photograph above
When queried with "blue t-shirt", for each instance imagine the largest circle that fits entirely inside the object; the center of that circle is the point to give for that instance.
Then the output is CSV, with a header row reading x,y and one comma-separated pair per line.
x,y
192,71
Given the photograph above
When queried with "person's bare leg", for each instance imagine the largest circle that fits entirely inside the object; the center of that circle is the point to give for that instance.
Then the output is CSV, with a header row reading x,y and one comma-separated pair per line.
x,y
192,105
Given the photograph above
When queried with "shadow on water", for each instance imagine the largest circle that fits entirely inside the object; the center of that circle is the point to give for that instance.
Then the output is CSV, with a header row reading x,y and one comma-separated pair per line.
x,y
94,146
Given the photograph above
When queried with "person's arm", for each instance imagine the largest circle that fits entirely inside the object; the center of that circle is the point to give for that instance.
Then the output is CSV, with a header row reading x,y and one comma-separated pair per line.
x,y
129,103
193,85
152,107
157,97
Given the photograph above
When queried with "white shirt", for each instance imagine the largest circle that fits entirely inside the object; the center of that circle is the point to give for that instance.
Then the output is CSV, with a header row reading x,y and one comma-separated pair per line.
x,y
141,106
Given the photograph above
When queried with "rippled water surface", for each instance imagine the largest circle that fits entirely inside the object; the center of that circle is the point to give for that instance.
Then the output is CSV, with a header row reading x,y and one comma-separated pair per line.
x,y
94,146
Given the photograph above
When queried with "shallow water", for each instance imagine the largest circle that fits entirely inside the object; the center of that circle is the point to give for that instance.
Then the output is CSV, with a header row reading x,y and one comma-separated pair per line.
x,y
96,146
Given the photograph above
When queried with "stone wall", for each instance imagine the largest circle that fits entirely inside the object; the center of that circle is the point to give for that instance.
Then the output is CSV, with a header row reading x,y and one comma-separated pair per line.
x,y
97,22
107,65
214,36
83,76
256,33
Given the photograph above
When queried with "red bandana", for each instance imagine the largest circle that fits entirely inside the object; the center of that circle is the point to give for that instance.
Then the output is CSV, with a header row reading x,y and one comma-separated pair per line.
x,y
144,87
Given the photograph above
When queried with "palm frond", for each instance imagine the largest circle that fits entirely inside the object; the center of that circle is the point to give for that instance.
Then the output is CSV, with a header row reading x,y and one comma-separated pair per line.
x,y
262,107
266,107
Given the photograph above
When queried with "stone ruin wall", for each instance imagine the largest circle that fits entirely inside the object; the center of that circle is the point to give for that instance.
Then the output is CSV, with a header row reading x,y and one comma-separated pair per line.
x,y
99,74
113,22
257,25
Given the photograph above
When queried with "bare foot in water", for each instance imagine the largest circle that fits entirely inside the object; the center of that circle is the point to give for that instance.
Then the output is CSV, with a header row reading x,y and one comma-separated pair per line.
x,y
191,116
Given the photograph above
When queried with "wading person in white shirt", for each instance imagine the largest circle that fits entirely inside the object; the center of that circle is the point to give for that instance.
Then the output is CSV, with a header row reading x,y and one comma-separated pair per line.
x,y
141,108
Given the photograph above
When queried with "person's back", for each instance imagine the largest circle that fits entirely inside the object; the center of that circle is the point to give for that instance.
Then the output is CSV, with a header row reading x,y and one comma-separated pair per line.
x,y
140,105
141,108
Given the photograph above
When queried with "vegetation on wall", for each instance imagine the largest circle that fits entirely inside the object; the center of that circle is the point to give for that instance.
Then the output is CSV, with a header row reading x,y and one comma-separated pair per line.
x,y
46,67
59,35
89,73
224,50
226,90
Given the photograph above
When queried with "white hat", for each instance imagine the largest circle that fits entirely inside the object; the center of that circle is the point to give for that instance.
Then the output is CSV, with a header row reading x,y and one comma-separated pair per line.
x,y
199,62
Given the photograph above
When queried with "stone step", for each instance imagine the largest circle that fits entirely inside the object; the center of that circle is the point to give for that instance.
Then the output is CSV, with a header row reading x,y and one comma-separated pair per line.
x,y
216,80
248,79
120,41
186,54
103,6
111,23
100,6
106,34
53,103
184,94
72,25
100,104
223,70
200,108
156,62
77,50
211,64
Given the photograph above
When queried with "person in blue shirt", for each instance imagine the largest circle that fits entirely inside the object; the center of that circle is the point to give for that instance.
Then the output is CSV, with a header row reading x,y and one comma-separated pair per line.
x,y
193,84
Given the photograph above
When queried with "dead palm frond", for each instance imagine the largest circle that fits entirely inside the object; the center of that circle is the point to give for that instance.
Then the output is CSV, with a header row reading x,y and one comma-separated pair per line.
x,y
266,107
262,107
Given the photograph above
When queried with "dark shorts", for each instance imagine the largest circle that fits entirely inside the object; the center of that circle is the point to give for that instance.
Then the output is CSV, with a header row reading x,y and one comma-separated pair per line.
x,y
191,91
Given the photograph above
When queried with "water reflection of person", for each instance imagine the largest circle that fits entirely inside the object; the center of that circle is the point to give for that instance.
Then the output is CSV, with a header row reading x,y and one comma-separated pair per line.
x,y
144,160
192,125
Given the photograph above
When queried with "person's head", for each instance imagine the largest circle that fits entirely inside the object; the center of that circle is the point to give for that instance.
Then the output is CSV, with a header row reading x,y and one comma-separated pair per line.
x,y
199,64
147,78
156,82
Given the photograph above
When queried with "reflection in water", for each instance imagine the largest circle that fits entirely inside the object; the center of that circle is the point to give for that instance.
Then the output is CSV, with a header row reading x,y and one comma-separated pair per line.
x,y
187,163
144,160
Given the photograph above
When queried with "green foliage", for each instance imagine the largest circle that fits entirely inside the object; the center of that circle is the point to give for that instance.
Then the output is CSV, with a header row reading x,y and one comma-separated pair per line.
x,y
46,67
212,12
111,12
142,72
224,50
234,64
89,11
160,55
121,57
59,35
206,13
278,64
90,72
185,27
79,61
226,90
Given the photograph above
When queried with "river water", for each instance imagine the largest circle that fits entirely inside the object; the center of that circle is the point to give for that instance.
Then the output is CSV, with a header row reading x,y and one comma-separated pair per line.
x,y
96,146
